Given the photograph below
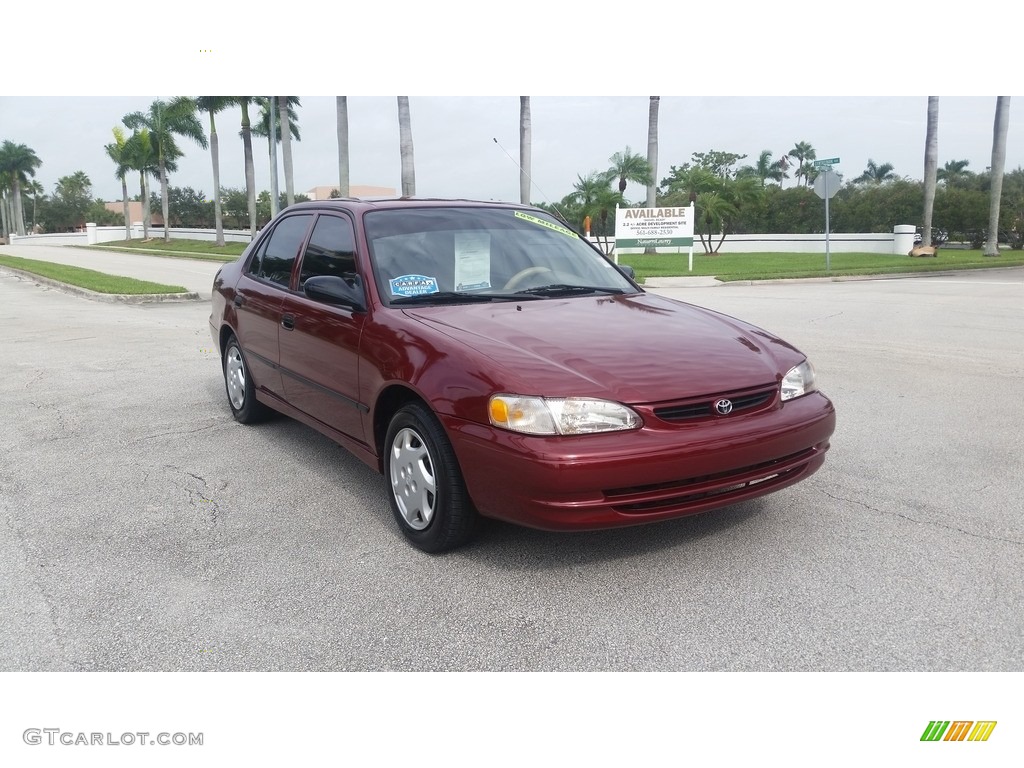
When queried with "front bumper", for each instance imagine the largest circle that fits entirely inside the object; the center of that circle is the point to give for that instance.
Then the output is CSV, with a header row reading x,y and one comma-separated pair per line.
x,y
654,473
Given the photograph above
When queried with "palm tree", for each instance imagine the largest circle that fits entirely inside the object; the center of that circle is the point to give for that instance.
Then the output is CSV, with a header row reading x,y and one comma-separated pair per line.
x,y
6,204
142,157
250,172
405,148
876,174
766,170
593,197
804,154
652,150
585,192
5,212
953,172
525,140
999,130
343,190
35,189
213,105
285,106
626,167
712,211
19,162
117,151
165,120
931,164
287,129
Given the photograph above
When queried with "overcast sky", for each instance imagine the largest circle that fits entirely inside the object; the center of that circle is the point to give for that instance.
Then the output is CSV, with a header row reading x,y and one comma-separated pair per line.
x,y
456,155
818,86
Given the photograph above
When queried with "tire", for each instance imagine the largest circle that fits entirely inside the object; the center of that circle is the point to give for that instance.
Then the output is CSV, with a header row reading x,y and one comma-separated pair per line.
x,y
425,487
238,384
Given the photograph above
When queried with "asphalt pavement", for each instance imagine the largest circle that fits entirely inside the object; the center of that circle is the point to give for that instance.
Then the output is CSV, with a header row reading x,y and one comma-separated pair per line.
x,y
141,528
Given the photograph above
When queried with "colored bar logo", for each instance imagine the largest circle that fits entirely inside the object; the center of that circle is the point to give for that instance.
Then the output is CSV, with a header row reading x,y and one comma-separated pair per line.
x,y
958,730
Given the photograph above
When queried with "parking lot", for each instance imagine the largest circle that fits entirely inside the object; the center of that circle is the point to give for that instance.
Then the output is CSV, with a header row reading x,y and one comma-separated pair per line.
x,y
141,528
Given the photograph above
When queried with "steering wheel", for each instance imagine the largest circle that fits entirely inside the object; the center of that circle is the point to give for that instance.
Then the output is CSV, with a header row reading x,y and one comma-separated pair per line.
x,y
520,277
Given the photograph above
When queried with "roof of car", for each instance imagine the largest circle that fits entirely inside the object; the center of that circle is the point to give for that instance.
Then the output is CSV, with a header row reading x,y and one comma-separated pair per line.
x,y
403,202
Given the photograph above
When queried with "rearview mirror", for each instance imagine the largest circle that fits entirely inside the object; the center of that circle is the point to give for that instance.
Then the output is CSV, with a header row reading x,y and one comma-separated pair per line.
x,y
627,271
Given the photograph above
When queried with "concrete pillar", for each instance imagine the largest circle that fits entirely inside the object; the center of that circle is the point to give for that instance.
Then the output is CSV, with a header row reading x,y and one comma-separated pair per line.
x,y
903,239
90,233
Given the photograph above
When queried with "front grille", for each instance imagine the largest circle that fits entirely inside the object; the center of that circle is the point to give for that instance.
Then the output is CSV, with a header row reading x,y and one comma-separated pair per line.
x,y
703,407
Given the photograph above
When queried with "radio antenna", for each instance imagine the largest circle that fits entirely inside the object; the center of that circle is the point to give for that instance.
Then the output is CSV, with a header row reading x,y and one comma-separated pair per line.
x,y
560,214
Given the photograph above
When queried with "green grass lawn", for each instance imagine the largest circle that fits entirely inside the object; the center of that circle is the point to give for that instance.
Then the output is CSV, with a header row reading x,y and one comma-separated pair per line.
x,y
185,249
767,266
726,267
90,279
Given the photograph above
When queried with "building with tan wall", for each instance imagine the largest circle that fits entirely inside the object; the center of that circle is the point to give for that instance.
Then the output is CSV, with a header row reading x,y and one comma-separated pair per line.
x,y
354,190
134,212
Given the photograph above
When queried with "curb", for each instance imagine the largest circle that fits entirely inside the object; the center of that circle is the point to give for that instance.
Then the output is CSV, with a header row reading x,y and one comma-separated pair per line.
x,y
187,255
859,278
108,298
712,282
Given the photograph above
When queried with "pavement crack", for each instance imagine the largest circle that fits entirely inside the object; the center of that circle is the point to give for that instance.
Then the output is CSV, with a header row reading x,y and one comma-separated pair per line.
x,y
922,522
826,317
197,497
218,423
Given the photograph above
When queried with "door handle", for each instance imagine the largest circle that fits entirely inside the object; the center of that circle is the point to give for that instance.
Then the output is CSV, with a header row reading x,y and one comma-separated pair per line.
x,y
288,322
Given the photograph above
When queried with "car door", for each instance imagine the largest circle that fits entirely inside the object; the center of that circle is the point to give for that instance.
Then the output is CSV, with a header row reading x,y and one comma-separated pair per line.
x,y
258,297
319,342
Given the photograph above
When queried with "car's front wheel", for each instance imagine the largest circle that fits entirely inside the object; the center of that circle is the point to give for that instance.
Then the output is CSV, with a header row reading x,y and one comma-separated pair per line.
x,y
240,389
425,487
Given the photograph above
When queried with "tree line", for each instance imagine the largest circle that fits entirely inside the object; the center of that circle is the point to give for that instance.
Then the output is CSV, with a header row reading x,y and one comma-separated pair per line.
x,y
729,196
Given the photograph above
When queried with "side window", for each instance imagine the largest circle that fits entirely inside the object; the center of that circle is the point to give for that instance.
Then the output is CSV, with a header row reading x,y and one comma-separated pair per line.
x,y
257,260
331,249
277,257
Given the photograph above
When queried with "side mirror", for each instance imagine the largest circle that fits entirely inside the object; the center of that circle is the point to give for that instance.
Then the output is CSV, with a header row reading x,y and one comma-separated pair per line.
x,y
627,271
343,291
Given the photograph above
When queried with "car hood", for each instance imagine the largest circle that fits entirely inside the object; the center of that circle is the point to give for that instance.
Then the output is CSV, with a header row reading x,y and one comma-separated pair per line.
x,y
638,348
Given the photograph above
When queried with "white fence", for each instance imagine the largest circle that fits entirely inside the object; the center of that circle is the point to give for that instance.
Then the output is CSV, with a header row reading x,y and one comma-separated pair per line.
x,y
94,234
899,242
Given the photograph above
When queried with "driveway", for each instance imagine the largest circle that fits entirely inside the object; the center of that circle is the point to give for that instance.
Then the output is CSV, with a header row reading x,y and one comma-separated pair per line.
x,y
141,528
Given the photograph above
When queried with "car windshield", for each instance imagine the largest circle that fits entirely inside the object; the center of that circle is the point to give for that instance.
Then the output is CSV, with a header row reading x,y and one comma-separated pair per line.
x,y
434,254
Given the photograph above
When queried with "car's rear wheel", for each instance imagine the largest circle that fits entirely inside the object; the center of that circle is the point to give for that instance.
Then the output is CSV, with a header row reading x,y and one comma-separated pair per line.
x,y
425,487
240,388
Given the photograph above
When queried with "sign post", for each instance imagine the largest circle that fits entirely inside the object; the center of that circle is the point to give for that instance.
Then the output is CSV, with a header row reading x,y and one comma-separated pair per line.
x,y
654,227
825,186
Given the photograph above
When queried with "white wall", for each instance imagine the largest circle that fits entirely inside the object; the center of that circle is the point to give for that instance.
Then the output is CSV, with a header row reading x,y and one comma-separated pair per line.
x,y
893,243
230,235
94,234
898,242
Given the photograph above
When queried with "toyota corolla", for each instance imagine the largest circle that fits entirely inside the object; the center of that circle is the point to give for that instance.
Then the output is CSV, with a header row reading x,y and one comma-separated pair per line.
x,y
489,361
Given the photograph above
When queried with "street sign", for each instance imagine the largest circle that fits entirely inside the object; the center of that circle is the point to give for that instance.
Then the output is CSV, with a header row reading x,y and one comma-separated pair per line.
x,y
826,163
826,186
827,181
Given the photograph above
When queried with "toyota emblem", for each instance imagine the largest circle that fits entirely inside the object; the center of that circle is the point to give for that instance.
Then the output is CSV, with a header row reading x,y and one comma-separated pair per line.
x,y
723,407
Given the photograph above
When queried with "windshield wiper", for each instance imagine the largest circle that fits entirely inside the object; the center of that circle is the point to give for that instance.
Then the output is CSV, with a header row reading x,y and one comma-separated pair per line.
x,y
564,289
453,297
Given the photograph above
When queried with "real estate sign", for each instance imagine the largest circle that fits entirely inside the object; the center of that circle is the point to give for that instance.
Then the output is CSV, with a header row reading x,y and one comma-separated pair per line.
x,y
653,227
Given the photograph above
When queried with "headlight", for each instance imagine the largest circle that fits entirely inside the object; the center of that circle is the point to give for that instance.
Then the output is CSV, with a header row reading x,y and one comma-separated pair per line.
x,y
799,381
559,416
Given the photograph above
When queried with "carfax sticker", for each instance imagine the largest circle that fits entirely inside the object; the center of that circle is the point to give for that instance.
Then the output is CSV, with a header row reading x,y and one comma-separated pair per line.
x,y
413,285
548,224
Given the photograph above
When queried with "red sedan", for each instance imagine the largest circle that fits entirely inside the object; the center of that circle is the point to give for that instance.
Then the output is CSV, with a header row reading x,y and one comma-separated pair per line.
x,y
489,361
